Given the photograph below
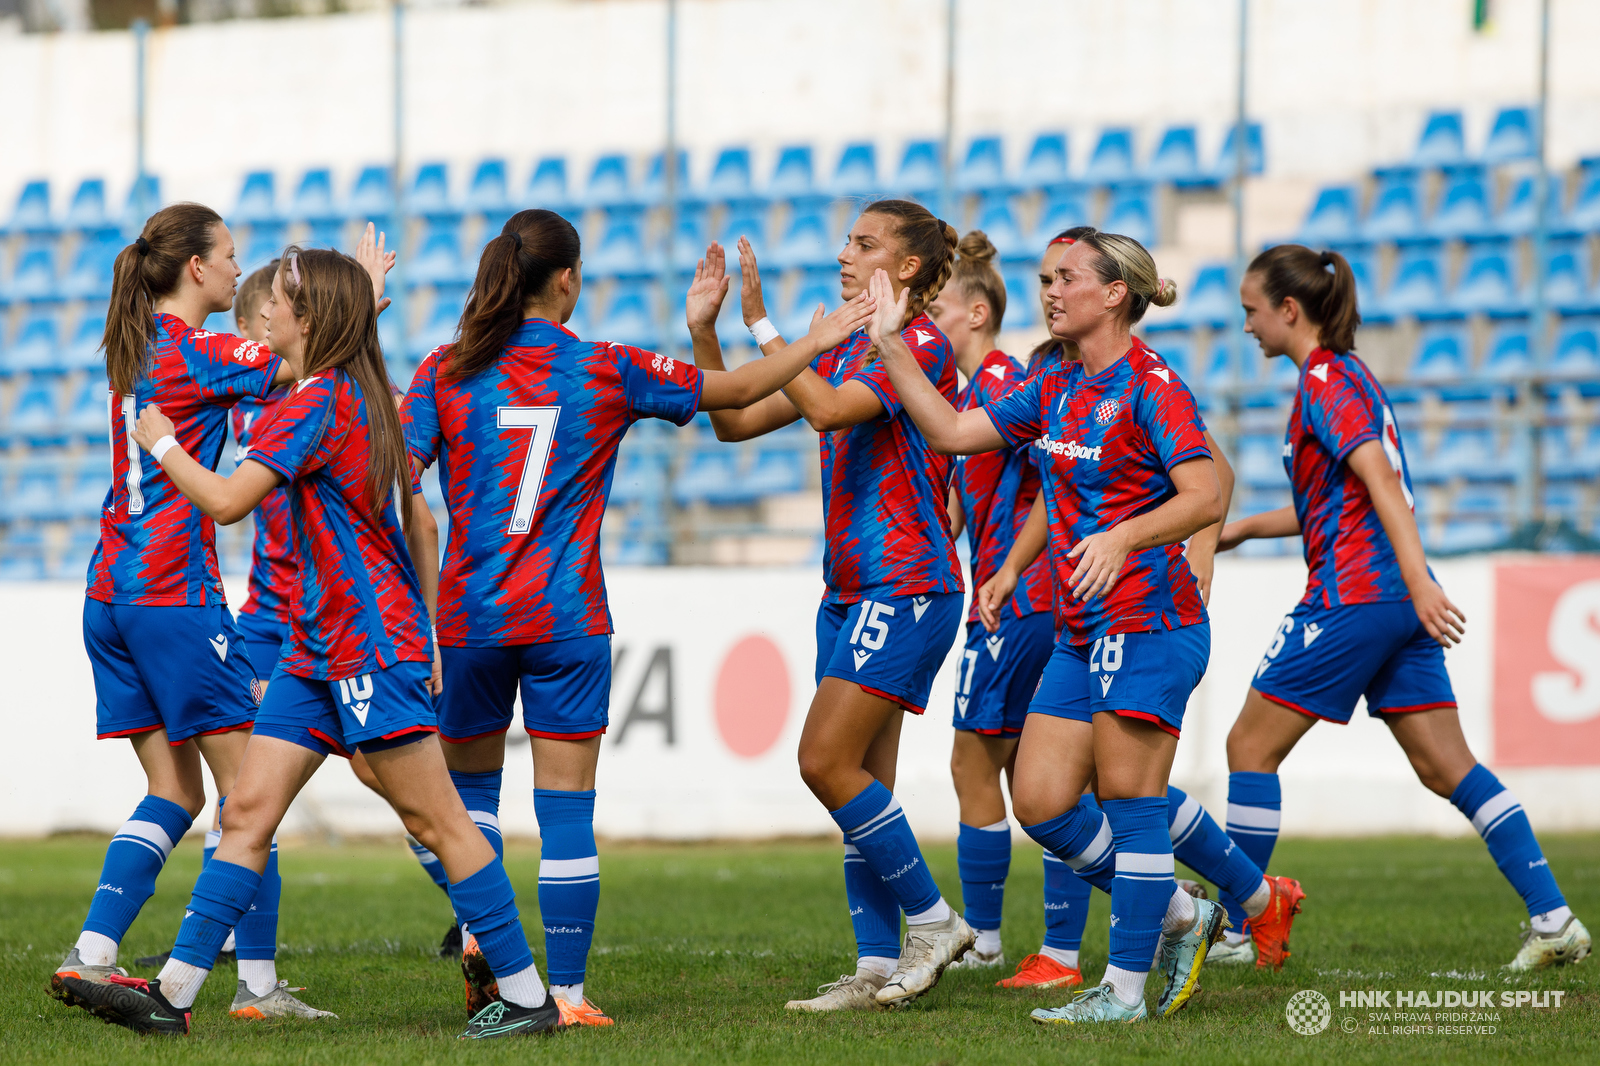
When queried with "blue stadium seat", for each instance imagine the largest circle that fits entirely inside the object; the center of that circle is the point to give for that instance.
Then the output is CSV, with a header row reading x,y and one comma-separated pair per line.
x,y
1418,286
730,175
1511,137
429,195
1065,206
438,259
1046,166
35,275
547,185
1177,158
23,557
92,266
1212,301
32,214
1255,152
1131,213
1507,355
38,496
76,555
88,208
1584,215
1463,207
1576,352
88,494
1562,503
144,199
489,193
631,318
36,347
1333,216
621,252
640,476
793,177
1221,363
36,415
1563,463
1519,213
1112,159
372,197
1444,353
1396,206
313,201
258,201
441,323
857,172
1022,300
1566,277
921,173
691,235
995,219
746,218
807,242
1260,462
654,189
775,470
1488,283
1174,343
265,243
984,168
609,184
83,351
816,287
1442,143
710,476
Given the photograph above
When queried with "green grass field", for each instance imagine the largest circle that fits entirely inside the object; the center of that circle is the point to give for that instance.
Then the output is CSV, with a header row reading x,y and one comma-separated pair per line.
x,y
698,947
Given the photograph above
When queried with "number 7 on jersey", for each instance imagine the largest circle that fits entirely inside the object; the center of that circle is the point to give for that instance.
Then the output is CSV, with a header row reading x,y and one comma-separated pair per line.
x,y
542,421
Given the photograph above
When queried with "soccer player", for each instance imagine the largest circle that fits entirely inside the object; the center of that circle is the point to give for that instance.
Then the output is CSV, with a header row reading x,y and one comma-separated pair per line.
x,y
524,419
171,671
1126,478
1373,622
892,605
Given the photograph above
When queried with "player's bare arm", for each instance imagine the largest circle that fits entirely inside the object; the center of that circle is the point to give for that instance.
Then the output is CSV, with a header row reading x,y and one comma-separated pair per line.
x,y
1030,542
225,500
1203,546
1197,504
423,540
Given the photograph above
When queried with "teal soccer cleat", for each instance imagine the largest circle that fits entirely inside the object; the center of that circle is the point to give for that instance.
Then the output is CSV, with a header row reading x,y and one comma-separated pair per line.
x,y
1183,955
1098,1004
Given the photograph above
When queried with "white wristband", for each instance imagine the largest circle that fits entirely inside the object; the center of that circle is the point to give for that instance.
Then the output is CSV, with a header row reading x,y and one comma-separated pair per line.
x,y
163,446
764,331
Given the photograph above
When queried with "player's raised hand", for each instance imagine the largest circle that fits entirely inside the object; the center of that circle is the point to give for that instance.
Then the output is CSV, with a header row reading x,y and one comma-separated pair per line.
x,y
1100,557
751,301
151,427
375,261
888,311
710,286
835,327
1442,619
992,595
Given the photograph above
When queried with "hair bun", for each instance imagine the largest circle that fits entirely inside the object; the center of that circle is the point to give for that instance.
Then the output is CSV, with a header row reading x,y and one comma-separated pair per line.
x,y
1166,293
977,247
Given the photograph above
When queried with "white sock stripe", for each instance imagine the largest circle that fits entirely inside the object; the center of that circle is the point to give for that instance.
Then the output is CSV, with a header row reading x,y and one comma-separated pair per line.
x,y
851,849
588,866
1002,826
213,837
1135,863
1097,850
423,855
1185,821
485,820
1494,810
1234,830
879,820
148,831
1049,857
1257,818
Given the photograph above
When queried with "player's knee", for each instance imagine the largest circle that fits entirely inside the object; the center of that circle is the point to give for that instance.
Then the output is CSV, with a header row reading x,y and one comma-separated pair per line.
x,y
1031,805
1246,753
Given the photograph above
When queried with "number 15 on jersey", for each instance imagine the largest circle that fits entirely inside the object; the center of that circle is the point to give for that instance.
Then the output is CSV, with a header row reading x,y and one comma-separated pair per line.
x,y
542,421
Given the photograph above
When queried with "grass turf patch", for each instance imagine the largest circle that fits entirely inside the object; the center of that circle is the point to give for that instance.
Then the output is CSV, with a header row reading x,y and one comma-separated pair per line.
x,y
698,947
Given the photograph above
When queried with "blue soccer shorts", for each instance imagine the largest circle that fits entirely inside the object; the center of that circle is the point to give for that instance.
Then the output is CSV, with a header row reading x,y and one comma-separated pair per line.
x,y
892,646
1323,659
999,672
1135,675
183,668
566,689
265,637
369,712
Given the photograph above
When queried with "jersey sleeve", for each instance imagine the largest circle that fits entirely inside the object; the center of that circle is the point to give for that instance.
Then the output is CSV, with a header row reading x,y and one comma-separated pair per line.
x,y
298,440
419,412
1018,415
225,368
930,352
658,386
1167,413
1340,413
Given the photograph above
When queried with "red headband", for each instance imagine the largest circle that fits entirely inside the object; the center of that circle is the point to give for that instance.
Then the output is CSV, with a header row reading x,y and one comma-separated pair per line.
x,y
1062,240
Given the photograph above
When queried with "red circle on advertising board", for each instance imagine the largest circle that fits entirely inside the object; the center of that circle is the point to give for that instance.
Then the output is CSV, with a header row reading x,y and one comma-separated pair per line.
x,y
751,701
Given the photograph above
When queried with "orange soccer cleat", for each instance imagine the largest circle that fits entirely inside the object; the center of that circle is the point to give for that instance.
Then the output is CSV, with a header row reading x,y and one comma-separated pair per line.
x,y
1041,971
482,988
1270,928
585,1013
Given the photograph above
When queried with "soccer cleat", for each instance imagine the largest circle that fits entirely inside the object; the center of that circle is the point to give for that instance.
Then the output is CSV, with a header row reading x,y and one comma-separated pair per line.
x,y
450,946
1270,928
74,966
585,1013
852,991
1183,955
500,1018
1041,971
155,962
978,960
131,1002
928,950
1570,943
482,988
1222,953
1194,888
275,1004
1098,1004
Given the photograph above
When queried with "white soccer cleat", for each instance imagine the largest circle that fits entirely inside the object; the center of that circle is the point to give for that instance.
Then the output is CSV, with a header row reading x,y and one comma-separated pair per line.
x,y
1223,953
978,960
275,1004
852,991
74,966
1570,943
928,950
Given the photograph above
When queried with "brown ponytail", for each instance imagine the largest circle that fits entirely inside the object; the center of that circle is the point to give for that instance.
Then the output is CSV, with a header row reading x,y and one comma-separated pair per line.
x,y
145,271
332,294
533,247
932,240
976,277
1322,283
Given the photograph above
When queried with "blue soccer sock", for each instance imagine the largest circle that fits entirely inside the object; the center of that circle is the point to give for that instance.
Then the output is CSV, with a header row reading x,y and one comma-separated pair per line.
x,y
256,934
487,909
874,912
1254,803
1500,820
876,825
1144,880
430,863
481,795
222,895
1066,905
1082,839
983,859
134,858
569,880
1200,844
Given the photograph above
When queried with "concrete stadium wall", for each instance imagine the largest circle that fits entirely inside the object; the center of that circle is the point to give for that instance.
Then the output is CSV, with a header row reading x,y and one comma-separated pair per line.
x,y
714,674
1341,85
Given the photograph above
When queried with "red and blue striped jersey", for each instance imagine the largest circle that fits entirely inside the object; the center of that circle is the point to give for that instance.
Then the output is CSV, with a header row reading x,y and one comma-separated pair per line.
x,y
156,549
272,565
1107,443
357,605
1338,407
885,493
997,490
526,451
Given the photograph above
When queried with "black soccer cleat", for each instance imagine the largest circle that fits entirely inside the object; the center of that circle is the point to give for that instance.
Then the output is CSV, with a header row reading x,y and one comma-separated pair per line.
x,y
450,946
507,1019
131,1002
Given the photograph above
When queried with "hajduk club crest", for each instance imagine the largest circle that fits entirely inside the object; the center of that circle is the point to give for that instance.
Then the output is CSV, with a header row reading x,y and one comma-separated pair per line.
x,y
1105,412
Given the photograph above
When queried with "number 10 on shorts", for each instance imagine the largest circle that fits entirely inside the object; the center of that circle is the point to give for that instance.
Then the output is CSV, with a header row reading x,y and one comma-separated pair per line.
x,y
542,421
